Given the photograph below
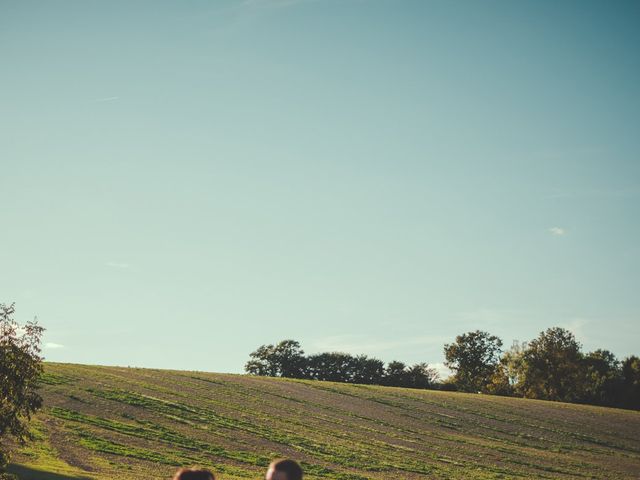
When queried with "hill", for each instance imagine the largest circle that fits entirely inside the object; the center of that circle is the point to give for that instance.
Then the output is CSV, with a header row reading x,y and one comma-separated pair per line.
x,y
129,423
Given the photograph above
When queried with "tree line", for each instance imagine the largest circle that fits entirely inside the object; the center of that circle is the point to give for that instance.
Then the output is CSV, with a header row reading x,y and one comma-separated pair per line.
x,y
549,367
287,359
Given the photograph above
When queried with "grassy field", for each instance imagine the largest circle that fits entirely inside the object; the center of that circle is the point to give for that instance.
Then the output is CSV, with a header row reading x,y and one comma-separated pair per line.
x,y
126,423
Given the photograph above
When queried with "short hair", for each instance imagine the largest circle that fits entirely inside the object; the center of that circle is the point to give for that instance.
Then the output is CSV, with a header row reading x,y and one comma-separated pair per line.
x,y
193,474
288,466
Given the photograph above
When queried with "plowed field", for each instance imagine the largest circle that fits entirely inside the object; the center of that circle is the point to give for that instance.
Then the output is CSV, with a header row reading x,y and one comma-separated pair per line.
x,y
127,423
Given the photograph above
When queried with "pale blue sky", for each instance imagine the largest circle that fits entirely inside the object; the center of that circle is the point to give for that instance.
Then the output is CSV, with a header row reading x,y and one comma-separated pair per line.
x,y
184,181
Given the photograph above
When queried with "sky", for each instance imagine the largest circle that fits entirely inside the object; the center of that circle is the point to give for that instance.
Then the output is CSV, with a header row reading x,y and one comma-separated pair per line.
x,y
182,182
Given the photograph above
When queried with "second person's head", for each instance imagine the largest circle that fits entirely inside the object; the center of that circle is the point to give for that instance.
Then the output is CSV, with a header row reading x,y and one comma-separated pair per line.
x,y
284,469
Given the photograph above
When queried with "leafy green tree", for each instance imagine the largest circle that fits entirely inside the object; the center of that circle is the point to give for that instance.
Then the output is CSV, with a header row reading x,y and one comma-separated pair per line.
x,y
507,375
421,375
603,377
20,369
285,359
513,362
262,362
498,383
331,366
367,370
629,396
395,374
473,358
290,357
552,367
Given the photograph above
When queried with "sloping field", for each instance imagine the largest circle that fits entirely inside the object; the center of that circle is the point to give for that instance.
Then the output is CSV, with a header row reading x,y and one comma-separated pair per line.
x,y
125,423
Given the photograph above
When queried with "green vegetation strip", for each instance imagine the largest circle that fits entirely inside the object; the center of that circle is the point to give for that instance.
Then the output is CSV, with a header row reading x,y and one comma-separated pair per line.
x,y
153,432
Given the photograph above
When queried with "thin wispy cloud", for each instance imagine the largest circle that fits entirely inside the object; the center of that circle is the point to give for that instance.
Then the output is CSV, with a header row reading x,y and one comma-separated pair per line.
x,y
53,346
557,231
105,99
577,327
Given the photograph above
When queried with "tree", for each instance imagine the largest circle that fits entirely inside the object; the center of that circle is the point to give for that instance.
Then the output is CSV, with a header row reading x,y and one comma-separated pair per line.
x,y
507,376
367,370
395,374
290,358
286,359
262,362
331,366
421,375
473,357
20,369
552,367
602,377
629,396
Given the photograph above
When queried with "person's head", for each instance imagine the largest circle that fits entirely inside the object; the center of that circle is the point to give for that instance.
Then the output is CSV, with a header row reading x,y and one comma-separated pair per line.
x,y
193,474
284,469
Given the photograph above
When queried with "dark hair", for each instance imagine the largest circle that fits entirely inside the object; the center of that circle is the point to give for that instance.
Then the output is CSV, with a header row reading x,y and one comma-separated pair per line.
x,y
290,467
193,474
